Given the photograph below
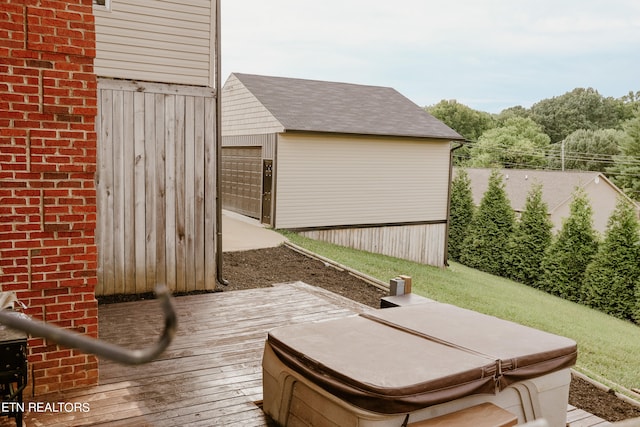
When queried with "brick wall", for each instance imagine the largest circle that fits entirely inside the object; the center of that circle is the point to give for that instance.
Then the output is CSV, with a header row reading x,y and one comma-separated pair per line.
x,y
47,165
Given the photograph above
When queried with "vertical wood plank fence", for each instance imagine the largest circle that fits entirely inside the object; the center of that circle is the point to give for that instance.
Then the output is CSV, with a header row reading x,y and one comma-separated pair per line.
x,y
156,187
423,243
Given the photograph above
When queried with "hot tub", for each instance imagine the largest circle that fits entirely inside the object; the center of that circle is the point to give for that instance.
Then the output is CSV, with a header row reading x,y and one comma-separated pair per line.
x,y
419,361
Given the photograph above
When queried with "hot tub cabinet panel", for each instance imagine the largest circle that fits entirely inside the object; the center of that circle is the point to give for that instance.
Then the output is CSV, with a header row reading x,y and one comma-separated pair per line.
x,y
423,361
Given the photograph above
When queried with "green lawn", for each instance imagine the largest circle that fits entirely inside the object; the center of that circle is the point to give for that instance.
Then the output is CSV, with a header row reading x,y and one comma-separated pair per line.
x,y
608,348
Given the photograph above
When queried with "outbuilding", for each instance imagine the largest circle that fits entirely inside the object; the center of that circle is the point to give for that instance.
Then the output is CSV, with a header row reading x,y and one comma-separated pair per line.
x,y
356,165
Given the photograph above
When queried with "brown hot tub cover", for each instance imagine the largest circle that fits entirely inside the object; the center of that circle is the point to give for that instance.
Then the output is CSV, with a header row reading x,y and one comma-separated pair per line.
x,y
403,359
521,352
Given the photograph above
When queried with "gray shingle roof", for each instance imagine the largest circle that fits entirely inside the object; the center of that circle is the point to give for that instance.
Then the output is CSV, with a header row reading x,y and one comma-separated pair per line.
x,y
557,186
319,106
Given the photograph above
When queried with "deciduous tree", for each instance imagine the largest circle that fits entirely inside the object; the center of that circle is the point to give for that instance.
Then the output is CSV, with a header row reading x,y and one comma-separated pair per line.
x,y
625,172
579,109
466,121
520,142
589,150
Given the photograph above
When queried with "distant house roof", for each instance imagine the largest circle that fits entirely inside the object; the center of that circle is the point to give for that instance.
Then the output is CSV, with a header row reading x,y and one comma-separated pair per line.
x,y
320,106
558,186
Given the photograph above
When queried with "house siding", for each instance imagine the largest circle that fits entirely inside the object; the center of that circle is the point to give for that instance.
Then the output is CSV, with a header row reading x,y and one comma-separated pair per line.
x,y
243,114
266,141
331,180
156,40
423,243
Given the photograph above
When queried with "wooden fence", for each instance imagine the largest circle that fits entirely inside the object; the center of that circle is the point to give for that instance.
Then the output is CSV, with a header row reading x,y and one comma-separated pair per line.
x,y
423,243
156,187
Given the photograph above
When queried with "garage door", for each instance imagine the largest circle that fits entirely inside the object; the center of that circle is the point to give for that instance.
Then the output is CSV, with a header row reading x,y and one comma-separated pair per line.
x,y
242,180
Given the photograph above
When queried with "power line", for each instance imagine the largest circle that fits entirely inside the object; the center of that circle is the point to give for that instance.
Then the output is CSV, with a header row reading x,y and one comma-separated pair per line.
x,y
571,155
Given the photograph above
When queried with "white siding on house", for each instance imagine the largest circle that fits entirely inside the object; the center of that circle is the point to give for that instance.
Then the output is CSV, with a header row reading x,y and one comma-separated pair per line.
x,y
156,40
243,114
325,180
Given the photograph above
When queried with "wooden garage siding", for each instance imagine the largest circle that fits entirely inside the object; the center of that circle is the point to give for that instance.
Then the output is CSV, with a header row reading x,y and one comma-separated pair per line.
x,y
242,180
339,180
266,141
156,40
156,187
423,243
243,114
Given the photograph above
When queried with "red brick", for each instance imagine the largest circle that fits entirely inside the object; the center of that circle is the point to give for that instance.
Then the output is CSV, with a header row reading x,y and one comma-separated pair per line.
x,y
61,127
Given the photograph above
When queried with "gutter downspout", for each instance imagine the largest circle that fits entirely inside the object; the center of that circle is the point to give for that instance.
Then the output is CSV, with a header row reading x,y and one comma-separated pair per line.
x,y
218,162
446,234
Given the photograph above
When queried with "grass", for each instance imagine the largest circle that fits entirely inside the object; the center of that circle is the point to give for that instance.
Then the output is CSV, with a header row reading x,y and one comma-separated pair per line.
x,y
608,348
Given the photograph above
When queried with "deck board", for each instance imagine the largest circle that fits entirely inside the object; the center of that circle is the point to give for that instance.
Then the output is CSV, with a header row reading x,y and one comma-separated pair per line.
x,y
211,374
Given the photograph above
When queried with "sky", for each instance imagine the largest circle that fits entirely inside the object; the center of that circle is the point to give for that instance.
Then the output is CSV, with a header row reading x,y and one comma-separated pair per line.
x,y
488,54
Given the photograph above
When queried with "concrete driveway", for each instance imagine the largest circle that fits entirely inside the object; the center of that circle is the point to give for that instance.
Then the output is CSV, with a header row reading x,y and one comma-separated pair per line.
x,y
241,233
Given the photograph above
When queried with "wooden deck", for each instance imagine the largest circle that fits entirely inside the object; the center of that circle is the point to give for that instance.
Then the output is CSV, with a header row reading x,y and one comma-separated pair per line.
x,y
211,374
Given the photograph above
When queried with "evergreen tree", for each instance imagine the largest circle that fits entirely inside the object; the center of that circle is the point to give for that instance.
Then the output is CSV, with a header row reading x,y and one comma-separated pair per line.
x,y
485,246
460,213
611,278
636,312
566,260
530,240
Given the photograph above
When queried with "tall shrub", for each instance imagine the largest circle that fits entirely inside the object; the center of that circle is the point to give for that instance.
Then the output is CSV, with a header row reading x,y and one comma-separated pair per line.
x,y
569,255
636,310
611,278
460,213
485,246
530,240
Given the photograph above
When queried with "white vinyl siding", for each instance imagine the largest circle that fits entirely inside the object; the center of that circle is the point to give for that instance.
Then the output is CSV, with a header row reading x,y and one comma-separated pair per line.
x,y
340,181
243,114
156,40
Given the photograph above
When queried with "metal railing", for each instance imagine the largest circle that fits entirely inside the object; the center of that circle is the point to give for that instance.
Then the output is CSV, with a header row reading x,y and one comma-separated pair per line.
x,y
100,348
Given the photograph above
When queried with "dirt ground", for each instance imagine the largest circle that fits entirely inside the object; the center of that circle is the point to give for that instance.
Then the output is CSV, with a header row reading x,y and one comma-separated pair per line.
x,y
263,267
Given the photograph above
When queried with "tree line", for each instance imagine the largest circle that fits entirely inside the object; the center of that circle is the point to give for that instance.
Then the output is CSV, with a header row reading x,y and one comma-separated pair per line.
x,y
574,264
578,130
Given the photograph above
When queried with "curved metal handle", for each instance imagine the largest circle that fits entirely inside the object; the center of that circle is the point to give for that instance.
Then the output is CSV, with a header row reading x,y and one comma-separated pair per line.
x,y
104,349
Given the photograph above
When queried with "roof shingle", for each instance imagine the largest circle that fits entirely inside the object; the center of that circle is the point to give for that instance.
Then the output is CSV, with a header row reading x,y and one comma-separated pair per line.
x,y
320,106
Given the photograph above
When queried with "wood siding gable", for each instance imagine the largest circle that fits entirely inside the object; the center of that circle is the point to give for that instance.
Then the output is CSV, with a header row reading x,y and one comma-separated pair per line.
x,y
156,40
243,114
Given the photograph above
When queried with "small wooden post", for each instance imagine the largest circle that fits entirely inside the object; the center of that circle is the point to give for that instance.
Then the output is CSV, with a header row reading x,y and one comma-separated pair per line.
x,y
407,283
